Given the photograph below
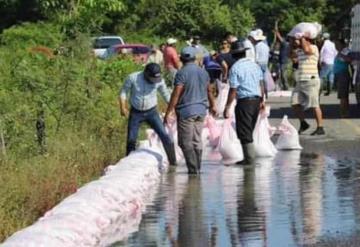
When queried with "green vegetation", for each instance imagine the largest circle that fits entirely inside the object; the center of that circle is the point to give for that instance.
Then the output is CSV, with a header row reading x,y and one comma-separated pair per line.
x,y
59,119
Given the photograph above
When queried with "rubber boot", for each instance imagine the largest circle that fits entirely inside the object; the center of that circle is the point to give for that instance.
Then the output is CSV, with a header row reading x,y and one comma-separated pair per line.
x,y
199,157
249,153
170,152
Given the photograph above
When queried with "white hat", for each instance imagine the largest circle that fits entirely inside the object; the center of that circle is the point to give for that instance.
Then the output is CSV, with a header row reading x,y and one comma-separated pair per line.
x,y
257,35
326,36
171,41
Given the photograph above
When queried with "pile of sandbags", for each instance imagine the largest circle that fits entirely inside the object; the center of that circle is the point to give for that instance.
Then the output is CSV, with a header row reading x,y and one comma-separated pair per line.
x,y
101,212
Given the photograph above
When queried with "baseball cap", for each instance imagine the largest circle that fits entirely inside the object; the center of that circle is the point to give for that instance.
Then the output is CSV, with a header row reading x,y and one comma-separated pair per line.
x,y
152,72
188,53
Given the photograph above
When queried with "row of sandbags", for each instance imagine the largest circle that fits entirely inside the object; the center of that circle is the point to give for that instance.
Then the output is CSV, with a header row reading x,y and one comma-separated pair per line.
x,y
223,138
101,212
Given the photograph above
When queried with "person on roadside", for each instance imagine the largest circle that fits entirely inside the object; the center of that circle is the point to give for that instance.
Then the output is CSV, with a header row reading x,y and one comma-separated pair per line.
x,y
306,92
171,59
143,87
213,67
191,97
156,56
230,38
328,53
262,52
247,88
283,59
250,45
201,51
162,47
225,59
342,77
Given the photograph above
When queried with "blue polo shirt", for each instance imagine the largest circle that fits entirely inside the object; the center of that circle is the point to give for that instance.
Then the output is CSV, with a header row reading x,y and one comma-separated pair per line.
x,y
193,101
245,76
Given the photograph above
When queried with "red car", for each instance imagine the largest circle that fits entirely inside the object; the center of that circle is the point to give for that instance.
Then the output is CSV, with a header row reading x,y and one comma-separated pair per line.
x,y
139,52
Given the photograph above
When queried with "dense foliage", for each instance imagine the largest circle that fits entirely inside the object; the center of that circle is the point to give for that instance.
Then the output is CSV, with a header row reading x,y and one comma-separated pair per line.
x,y
59,119
178,17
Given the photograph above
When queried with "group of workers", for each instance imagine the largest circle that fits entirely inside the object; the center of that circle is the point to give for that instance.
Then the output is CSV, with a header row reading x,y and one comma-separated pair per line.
x,y
243,64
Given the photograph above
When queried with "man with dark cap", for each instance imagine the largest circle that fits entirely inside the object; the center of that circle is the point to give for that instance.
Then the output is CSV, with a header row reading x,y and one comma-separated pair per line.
x,y
190,99
143,87
246,86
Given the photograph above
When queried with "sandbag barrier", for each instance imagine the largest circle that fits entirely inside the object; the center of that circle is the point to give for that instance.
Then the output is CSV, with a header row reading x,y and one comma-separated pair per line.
x,y
109,209
101,212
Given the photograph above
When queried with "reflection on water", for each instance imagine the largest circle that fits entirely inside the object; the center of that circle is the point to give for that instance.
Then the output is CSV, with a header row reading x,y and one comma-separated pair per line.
x,y
291,200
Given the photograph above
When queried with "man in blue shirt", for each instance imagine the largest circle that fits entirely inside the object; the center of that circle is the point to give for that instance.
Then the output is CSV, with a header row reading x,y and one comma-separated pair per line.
x,y
246,86
190,99
143,87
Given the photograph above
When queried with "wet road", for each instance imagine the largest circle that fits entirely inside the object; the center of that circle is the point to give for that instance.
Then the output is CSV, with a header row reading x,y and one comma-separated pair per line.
x,y
295,199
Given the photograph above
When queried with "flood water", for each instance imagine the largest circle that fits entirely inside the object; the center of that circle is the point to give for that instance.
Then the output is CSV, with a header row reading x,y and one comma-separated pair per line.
x,y
295,199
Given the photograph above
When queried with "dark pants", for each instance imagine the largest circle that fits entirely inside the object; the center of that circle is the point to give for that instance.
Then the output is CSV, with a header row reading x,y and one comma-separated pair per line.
x,y
246,114
189,137
153,119
284,76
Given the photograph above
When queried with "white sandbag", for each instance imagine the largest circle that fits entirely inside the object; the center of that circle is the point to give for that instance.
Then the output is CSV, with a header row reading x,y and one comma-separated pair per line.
x,y
223,92
307,29
229,145
261,135
214,130
101,212
289,137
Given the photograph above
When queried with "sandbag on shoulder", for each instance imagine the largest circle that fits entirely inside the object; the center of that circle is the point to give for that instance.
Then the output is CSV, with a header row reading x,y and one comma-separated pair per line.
x,y
261,135
307,29
289,137
229,145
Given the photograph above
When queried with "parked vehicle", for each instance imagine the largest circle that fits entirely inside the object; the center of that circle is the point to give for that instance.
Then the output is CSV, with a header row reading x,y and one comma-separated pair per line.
x,y
138,52
102,43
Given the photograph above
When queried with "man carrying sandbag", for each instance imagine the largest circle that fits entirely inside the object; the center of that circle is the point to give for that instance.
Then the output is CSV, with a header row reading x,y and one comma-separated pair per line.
x,y
306,92
190,98
143,87
246,86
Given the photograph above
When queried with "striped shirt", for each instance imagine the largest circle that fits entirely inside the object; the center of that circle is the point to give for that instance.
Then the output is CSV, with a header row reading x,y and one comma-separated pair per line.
x,y
245,75
308,64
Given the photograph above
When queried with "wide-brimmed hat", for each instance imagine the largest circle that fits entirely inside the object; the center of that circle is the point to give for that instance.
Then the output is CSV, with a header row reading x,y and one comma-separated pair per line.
x,y
153,72
171,41
238,47
257,35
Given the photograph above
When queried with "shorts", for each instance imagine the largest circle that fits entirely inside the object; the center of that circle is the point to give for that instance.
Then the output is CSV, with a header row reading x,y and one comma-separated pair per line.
x,y
306,93
343,81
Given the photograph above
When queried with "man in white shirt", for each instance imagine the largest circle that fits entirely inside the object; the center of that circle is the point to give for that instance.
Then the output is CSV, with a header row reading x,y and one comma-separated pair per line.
x,y
327,56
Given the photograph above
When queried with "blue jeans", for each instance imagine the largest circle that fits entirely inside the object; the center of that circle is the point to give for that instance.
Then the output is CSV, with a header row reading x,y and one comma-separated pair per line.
x,y
327,75
150,117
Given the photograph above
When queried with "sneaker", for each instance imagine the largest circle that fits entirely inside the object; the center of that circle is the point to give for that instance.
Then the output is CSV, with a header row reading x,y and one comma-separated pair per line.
x,y
303,126
319,131
327,93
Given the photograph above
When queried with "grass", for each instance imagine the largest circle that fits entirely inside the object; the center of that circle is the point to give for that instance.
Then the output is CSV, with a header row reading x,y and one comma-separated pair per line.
x,y
31,187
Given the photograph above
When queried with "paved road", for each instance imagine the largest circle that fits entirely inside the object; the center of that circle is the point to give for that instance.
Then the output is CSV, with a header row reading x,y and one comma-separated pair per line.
x,y
342,139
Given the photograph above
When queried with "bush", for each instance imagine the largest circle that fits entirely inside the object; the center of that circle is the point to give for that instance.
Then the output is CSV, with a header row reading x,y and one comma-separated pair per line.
x,y
74,96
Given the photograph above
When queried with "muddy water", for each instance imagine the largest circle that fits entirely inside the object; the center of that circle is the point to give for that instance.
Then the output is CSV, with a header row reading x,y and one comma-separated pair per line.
x,y
292,200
